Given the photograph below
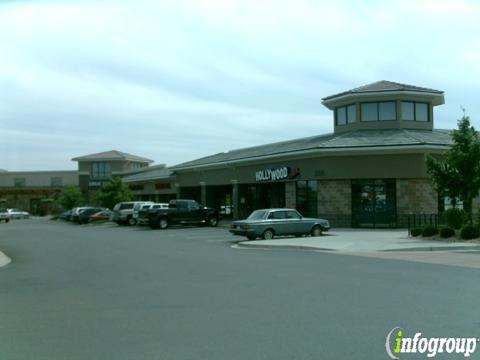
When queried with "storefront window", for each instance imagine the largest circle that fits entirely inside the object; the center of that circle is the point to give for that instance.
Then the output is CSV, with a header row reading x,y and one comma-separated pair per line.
x,y
374,203
307,197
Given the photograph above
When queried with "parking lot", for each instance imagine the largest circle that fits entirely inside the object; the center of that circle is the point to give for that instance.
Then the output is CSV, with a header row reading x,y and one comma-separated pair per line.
x,y
117,292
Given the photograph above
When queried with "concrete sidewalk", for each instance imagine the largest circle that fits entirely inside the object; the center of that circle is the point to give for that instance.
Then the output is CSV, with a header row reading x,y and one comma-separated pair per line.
x,y
4,259
360,240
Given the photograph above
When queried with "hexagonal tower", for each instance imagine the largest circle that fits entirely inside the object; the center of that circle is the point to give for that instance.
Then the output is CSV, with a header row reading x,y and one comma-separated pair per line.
x,y
384,105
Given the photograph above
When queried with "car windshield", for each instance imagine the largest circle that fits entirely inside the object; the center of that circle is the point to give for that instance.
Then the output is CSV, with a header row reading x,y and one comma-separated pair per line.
x,y
257,215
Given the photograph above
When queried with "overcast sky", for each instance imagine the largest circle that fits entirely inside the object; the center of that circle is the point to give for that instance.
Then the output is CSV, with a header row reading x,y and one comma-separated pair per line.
x,y
178,80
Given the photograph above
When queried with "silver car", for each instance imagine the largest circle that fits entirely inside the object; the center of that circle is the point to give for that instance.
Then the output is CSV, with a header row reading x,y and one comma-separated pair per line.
x,y
268,223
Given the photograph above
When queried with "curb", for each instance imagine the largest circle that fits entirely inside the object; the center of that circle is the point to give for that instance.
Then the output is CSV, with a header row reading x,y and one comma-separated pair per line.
x,y
434,248
4,259
281,247
245,245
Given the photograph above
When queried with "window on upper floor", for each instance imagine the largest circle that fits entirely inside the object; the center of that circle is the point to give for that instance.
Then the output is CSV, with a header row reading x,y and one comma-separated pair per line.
x,y
101,170
56,181
414,111
136,166
379,111
19,182
346,114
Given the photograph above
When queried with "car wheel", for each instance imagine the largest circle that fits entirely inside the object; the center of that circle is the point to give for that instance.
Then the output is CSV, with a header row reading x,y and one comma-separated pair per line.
x,y
251,237
131,221
268,234
316,231
212,221
163,223
7,220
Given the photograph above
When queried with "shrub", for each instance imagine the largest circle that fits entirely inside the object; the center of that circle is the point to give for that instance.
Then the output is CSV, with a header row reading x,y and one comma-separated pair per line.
x,y
446,232
429,230
469,232
455,218
416,231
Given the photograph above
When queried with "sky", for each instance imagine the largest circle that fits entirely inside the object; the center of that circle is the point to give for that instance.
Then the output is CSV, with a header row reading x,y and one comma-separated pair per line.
x,y
178,80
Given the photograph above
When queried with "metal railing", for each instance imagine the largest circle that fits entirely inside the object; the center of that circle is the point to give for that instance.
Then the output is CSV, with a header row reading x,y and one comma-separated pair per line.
x,y
421,220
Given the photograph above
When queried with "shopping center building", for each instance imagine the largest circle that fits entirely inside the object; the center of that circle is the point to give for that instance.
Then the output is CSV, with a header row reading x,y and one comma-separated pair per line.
x,y
370,172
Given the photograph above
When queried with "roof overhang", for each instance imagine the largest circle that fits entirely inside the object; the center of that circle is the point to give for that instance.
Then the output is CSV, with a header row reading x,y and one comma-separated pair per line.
x,y
436,98
325,152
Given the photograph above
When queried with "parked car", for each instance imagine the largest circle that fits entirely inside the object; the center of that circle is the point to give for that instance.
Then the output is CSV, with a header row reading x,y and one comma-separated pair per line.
x,y
4,215
18,214
123,212
84,216
76,212
143,218
139,206
182,212
103,215
268,223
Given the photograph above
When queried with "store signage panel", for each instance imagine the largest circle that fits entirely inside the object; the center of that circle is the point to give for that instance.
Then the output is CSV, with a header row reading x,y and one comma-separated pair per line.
x,y
275,174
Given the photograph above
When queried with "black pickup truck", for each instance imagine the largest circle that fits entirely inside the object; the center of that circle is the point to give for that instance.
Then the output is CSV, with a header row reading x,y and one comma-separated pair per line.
x,y
182,212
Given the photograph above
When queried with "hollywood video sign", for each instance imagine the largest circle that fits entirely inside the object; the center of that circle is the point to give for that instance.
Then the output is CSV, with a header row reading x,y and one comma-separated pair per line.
x,y
275,174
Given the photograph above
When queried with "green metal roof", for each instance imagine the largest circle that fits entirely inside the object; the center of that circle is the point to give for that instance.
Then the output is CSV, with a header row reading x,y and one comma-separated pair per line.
x,y
152,173
383,86
112,155
358,139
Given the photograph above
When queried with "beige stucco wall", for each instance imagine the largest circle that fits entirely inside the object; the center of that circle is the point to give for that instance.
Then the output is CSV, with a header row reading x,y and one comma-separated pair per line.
x,y
38,179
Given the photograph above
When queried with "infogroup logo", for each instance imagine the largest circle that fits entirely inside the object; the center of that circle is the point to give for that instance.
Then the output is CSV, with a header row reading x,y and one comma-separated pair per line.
x,y
397,343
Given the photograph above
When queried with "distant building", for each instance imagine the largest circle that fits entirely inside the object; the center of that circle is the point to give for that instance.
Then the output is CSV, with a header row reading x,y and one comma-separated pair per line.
x,y
155,183
34,191
38,191
94,170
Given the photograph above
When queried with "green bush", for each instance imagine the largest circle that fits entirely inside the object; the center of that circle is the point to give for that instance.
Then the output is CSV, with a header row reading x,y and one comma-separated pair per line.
x,y
469,232
429,230
446,232
416,231
455,218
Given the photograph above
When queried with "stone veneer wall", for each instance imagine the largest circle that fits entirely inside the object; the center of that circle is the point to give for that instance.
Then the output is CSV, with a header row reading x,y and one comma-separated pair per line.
x,y
291,195
415,196
335,202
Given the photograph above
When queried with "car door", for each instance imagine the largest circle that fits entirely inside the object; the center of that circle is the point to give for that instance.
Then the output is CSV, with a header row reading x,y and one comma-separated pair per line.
x,y
295,223
195,212
276,220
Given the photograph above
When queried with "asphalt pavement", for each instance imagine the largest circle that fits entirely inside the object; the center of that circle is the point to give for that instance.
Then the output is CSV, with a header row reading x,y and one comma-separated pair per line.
x,y
109,292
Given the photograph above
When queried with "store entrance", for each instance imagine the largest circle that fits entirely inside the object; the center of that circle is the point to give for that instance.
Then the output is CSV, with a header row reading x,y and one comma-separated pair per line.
x,y
260,196
374,203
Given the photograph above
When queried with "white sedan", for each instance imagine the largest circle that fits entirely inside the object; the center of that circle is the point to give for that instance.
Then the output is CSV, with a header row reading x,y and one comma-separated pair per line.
x,y
18,214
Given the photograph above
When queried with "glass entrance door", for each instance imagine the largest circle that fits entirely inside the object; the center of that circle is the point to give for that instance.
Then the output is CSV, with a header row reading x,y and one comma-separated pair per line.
x,y
374,203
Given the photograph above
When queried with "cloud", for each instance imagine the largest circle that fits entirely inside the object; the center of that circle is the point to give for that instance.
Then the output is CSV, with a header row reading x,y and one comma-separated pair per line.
x,y
176,80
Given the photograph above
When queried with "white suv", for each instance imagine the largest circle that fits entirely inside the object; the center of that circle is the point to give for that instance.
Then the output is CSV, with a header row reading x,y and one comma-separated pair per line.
x,y
138,207
122,213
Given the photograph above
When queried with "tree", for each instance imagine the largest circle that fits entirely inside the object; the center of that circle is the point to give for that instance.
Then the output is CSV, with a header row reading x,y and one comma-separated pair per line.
x,y
71,197
113,192
458,174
